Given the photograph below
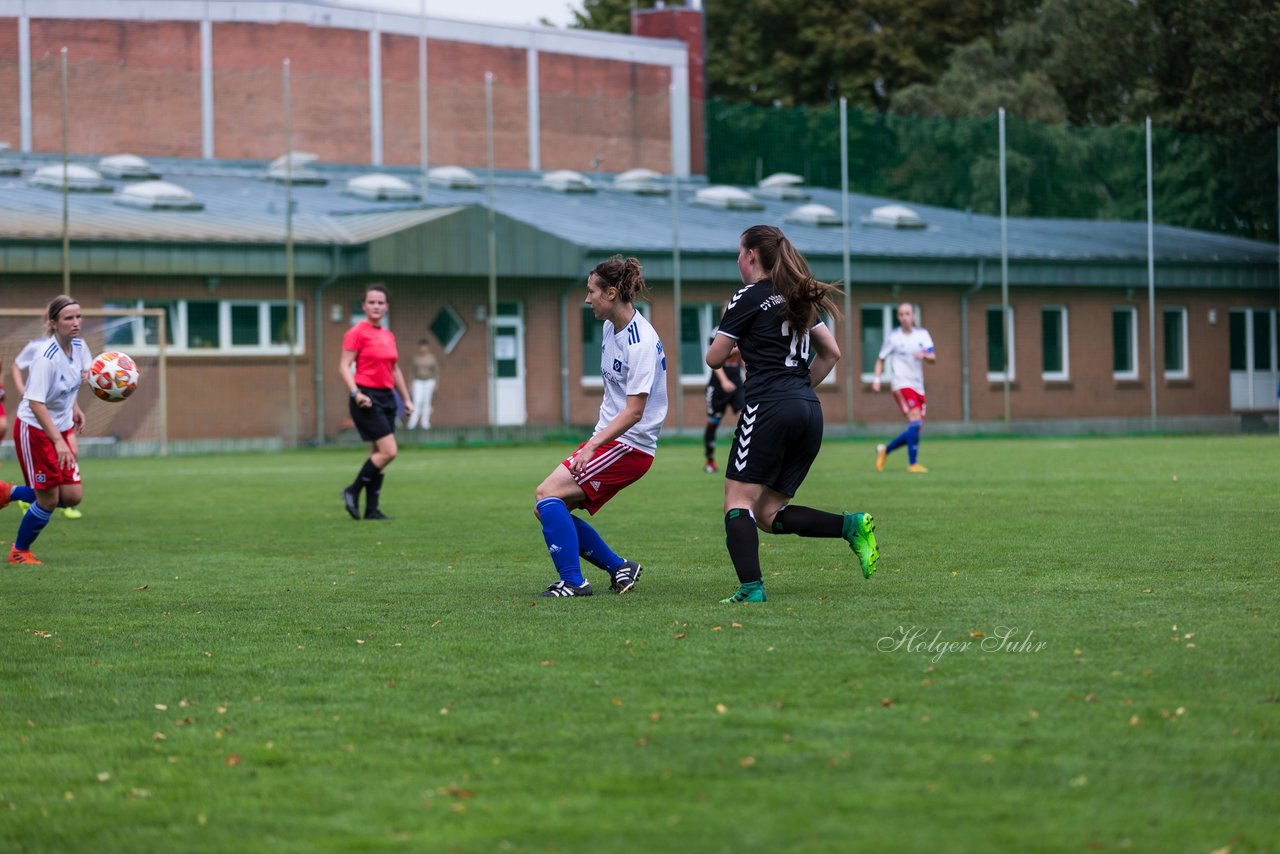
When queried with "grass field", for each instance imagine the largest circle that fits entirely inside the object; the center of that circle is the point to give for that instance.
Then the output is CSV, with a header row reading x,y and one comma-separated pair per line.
x,y
1070,645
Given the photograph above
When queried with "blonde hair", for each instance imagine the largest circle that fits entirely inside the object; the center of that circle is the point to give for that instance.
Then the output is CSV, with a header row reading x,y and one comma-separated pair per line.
x,y
56,305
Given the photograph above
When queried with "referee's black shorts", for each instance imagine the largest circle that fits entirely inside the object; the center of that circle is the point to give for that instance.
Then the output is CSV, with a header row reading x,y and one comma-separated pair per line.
x,y
378,420
776,443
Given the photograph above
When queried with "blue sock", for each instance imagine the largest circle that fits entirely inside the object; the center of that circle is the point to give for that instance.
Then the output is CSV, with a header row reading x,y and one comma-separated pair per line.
x,y
899,440
593,548
562,539
22,493
32,524
913,441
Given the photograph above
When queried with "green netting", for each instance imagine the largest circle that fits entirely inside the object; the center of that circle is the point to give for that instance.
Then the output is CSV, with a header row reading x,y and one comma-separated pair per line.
x,y
1217,183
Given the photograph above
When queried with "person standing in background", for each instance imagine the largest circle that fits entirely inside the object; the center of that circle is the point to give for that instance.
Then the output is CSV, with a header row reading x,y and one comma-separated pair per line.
x,y
426,370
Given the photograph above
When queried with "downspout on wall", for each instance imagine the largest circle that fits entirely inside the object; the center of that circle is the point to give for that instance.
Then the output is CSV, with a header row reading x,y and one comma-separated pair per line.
x,y
317,313
964,337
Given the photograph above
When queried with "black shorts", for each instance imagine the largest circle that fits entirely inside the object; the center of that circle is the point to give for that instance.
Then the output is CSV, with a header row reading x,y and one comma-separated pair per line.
x,y
718,400
776,443
378,420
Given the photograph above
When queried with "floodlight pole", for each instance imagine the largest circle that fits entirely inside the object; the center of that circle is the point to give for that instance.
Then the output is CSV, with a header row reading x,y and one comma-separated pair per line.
x,y
66,180
1006,334
677,283
850,374
290,311
1151,282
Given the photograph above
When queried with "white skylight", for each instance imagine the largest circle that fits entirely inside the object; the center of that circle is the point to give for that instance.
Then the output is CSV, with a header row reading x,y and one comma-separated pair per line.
x,y
157,195
813,214
726,198
125,166
894,216
783,186
84,179
382,187
295,167
644,182
567,181
454,177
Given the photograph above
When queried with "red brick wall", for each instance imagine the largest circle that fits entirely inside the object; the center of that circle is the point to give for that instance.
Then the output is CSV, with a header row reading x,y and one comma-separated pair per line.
x,y
10,120
688,26
132,86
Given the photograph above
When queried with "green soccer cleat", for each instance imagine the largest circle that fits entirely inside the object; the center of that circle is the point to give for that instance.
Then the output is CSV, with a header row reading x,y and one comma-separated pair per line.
x,y
860,532
72,512
753,592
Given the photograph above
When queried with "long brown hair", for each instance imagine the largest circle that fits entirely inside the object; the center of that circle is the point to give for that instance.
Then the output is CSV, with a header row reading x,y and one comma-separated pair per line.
x,y
786,268
625,274
56,305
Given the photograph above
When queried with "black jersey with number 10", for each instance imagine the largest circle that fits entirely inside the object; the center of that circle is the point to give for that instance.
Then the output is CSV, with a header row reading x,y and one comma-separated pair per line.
x,y
776,357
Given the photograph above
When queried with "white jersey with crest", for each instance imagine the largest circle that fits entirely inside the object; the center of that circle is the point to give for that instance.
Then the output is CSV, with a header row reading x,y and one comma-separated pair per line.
x,y
898,352
632,362
54,379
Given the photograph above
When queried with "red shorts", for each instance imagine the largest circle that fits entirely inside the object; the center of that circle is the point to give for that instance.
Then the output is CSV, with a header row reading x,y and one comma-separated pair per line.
x,y
39,460
909,399
614,467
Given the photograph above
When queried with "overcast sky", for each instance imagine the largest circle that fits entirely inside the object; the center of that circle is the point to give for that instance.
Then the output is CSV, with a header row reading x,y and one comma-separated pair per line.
x,y
523,12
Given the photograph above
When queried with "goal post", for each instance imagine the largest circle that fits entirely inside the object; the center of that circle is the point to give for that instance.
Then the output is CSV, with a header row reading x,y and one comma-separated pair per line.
x,y
138,426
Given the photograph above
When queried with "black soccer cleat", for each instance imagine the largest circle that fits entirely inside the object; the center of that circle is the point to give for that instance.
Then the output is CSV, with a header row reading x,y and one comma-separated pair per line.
x,y
351,501
626,576
563,588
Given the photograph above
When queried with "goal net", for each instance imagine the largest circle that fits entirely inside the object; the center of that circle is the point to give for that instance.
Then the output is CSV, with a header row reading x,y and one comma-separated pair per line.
x,y
134,427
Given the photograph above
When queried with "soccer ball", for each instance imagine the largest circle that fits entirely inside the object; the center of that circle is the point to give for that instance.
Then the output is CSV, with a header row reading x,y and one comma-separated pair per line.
x,y
113,376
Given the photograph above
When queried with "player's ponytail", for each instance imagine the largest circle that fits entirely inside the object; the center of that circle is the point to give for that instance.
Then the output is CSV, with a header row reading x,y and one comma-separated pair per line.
x,y
625,274
56,305
788,271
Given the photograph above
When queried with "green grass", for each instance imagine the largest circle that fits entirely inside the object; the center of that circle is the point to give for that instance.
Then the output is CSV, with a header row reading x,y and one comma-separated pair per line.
x,y
333,685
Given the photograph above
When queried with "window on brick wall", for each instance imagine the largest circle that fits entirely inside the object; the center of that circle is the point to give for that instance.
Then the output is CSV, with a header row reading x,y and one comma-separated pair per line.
x,y
1175,344
227,327
1054,359
1124,343
999,344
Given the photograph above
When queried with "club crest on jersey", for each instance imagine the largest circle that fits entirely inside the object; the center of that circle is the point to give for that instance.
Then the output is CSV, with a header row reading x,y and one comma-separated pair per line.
x,y
617,365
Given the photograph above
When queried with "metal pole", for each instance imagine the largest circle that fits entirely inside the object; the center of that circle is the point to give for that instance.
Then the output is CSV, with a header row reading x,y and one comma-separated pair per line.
x,y
66,181
493,250
1004,271
162,344
422,94
1151,281
677,284
847,269
1278,258
290,309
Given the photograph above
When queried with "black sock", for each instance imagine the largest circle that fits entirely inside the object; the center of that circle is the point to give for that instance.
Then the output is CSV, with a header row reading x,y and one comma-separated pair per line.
x,y
807,522
743,541
367,473
372,493
709,441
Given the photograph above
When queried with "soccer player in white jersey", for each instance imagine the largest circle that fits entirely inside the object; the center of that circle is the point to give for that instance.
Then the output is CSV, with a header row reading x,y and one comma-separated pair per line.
x,y
622,446
21,365
906,349
46,418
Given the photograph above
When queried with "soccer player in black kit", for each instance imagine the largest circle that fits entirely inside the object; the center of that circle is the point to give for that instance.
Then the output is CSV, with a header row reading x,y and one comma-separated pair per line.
x,y
775,322
724,391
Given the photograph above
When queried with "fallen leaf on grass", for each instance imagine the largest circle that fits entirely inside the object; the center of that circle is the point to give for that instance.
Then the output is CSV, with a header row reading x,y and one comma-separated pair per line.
x,y
547,662
735,625
157,736
233,760
721,708
886,702
104,776
617,701
162,707
680,636
41,633
747,761
142,587
1135,720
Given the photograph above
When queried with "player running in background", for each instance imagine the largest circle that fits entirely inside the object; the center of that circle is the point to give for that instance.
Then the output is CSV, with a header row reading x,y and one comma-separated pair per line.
x,y
47,416
906,348
775,320
724,391
622,446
